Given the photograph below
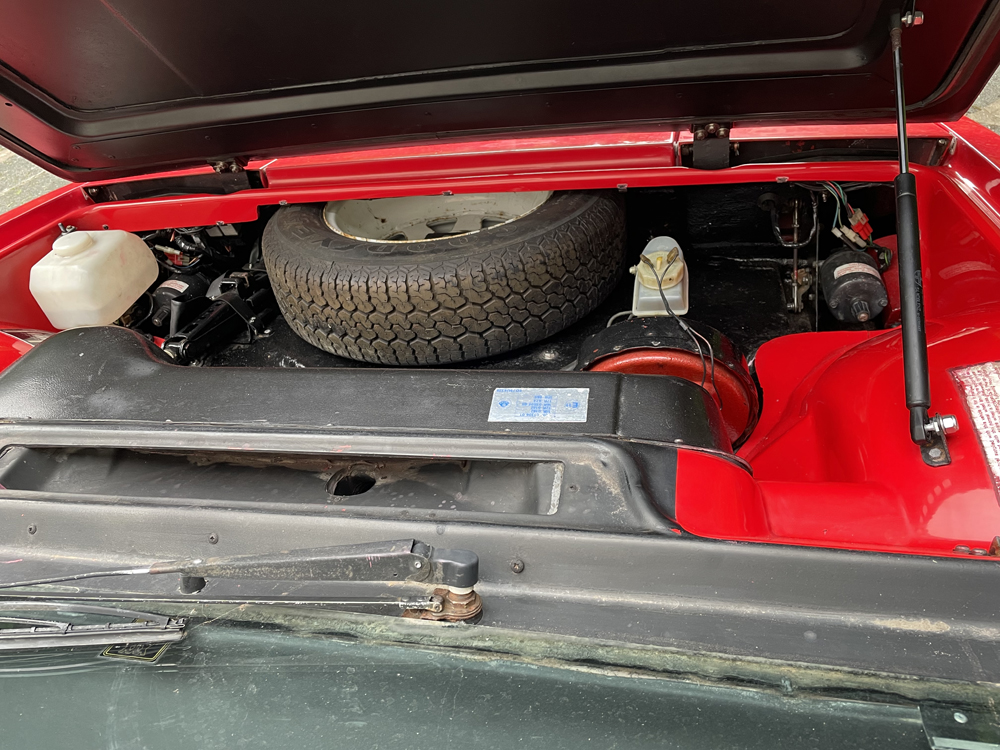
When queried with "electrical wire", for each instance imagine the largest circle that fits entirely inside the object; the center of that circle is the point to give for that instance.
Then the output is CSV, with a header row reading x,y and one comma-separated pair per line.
x,y
711,358
615,317
685,327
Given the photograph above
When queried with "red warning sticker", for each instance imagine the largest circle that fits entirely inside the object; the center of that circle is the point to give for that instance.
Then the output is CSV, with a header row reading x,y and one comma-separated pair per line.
x,y
980,384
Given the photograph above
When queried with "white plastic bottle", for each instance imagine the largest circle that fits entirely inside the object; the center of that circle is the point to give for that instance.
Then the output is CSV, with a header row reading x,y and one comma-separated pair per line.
x,y
92,278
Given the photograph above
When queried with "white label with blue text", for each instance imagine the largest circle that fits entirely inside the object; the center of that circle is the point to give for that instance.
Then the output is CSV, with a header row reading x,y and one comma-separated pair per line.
x,y
539,405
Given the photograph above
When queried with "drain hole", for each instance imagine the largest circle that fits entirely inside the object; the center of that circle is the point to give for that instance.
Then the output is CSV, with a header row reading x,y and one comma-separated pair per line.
x,y
352,484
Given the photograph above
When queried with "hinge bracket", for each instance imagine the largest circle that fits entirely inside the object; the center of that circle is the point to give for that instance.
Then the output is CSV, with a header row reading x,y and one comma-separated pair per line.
x,y
711,147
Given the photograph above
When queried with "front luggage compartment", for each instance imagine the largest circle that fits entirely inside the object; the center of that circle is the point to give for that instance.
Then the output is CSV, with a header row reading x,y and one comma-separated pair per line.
x,y
824,459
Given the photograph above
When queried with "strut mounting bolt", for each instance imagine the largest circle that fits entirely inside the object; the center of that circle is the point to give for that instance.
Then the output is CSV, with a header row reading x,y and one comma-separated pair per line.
x,y
32,528
213,538
517,566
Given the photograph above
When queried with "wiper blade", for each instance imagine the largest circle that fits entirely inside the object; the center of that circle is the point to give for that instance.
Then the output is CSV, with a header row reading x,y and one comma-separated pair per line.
x,y
20,633
451,574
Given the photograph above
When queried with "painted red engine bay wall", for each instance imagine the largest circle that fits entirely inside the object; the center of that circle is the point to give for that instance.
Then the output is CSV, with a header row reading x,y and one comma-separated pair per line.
x,y
832,463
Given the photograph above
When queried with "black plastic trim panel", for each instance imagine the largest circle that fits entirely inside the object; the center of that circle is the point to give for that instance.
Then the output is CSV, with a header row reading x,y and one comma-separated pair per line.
x,y
110,388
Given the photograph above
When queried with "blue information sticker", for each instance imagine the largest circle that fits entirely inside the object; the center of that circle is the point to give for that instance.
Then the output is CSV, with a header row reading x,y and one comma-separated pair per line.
x,y
539,405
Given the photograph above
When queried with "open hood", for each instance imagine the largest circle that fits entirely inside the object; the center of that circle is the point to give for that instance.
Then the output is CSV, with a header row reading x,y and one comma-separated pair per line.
x,y
94,89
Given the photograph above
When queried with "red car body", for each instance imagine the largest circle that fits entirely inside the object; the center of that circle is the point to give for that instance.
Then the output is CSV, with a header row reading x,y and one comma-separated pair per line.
x,y
831,460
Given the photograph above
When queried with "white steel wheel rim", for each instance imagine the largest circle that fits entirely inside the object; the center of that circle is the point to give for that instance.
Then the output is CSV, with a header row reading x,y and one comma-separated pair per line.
x,y
428,217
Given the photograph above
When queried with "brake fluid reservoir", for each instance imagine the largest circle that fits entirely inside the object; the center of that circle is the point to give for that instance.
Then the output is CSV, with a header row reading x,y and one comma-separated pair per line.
x,y
667,267
92,278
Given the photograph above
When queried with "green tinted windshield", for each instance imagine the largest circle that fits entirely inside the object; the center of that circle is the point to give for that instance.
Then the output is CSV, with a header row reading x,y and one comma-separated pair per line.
x,y
229,687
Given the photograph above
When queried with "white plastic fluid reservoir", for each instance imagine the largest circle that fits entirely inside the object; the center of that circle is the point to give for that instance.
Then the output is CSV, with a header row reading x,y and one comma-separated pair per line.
x,y
92,278
668,269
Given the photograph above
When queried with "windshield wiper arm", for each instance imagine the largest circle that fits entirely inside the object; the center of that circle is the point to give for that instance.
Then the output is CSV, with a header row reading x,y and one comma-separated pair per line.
x,y
451,574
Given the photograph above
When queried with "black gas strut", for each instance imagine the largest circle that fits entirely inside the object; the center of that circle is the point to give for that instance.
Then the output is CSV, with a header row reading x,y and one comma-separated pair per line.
x,y
926,431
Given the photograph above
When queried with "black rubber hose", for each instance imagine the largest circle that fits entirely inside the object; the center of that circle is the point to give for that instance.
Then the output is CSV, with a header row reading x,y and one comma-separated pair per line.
x,y
187,245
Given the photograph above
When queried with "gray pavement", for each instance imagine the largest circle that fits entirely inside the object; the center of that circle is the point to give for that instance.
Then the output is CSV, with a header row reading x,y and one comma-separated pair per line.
x,y
986,109
21,181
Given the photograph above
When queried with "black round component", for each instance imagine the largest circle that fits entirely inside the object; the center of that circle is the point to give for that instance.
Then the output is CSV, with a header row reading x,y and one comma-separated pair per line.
x,y
189,285
852,286
448,298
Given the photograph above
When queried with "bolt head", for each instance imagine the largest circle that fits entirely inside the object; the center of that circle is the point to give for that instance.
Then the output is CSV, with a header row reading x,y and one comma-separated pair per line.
x,y
935,453
723,133
418,565
961,718
517,566
700,135
711,128
32,528
213,538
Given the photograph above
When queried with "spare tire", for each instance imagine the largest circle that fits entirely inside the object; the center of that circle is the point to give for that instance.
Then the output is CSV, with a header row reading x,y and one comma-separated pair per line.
x,y
368,281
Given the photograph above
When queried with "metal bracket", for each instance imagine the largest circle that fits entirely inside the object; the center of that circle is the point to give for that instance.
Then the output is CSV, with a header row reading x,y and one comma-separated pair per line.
x,y
935,449
711,145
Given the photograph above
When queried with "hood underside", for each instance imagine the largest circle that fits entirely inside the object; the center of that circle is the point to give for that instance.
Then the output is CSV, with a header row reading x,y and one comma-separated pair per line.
x,y
94,89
